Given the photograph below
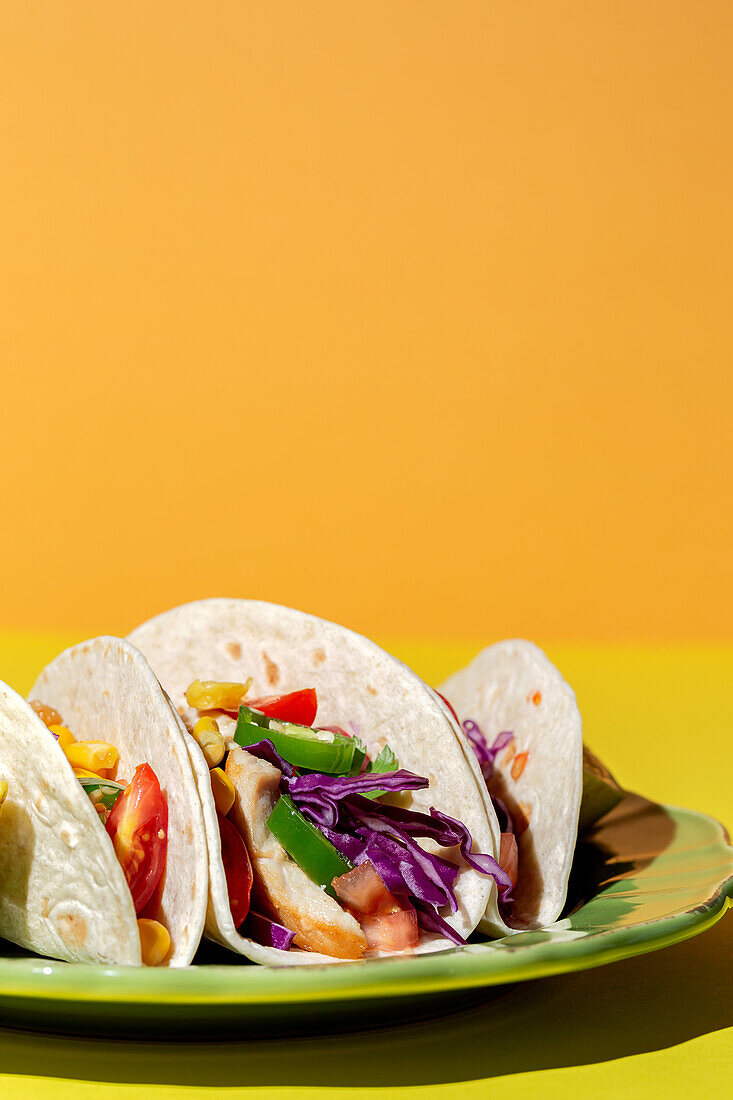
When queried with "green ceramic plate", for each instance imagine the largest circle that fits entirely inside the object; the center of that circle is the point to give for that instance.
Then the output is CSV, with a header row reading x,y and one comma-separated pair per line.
x,y
649,876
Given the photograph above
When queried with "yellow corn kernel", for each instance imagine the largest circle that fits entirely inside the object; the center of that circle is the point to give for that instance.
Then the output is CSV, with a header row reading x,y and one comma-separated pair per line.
x,y
3,790
155,941
209,740
222,789
94,755
63,736
207,723
213,695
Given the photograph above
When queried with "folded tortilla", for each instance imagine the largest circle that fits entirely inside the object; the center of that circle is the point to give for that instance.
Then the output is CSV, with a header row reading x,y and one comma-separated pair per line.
x,y
360,687
513,686
62,891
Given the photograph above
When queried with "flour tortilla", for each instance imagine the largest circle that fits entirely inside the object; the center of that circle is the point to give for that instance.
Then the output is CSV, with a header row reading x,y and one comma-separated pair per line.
x,y
360,687
513,686
62,891
104,689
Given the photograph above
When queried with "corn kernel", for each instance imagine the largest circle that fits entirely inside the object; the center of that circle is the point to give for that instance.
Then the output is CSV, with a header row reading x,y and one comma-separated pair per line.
x,y
207,723
94,755
48,715
155,941
63,736
222,789
212,695
3,790
209,740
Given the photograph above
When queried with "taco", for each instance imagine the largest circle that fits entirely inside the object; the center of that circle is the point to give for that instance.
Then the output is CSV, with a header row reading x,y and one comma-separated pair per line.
x,y
102,848
524,726
342,816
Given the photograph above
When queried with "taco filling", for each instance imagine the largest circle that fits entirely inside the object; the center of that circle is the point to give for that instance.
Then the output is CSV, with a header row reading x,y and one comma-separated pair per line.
x,y
318,850
135,816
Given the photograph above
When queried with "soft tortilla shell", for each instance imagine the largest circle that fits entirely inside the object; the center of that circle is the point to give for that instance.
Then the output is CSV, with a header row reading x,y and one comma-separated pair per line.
x,y
104,689
497,690
360,687
62,891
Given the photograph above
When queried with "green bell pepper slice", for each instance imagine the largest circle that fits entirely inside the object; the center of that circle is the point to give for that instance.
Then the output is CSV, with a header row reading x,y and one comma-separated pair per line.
x,y
318,751
307,845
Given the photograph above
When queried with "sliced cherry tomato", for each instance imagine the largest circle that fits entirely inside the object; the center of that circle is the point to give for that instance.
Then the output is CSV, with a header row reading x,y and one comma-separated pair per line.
x,y
509,856
138,826
299,706
237,868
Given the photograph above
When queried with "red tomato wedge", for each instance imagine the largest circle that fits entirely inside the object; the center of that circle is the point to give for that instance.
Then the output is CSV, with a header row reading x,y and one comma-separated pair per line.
x,y
237,868
509,856
298,706
138,826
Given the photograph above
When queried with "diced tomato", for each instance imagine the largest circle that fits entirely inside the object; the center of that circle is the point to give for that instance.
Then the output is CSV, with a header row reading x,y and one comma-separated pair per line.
x,y
138,826
298,706
509,856
237,868
387,923
363,891
394,931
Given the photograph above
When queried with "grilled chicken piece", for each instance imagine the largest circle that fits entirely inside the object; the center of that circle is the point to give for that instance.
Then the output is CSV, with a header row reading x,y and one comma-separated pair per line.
x,y
281,886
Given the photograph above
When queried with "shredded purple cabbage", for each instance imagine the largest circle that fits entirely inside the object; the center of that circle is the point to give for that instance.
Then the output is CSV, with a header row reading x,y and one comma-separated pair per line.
x,y
364,829
267,932
322,793
361,828
430,921
485,755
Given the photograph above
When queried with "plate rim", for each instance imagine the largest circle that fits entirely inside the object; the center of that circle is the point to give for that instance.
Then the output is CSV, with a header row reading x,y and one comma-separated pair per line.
x,y
37,979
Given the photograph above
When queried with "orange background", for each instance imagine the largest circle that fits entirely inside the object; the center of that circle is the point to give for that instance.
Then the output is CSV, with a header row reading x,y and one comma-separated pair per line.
x,y
416,315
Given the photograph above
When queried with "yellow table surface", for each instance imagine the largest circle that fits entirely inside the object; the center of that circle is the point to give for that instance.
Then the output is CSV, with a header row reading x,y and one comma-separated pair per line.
x,y
662,718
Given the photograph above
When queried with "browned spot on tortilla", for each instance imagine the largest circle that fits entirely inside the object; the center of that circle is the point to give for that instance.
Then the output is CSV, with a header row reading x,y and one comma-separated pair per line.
x,y
234,650
371,690
520,761
44,907
509,754
272,672
319,656
72,929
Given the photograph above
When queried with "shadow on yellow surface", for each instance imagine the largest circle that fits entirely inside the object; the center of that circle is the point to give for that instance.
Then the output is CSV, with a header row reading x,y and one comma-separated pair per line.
x,y
646,1004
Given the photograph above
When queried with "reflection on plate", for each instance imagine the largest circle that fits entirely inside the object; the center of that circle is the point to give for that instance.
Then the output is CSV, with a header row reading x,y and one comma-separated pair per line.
x,y
648,876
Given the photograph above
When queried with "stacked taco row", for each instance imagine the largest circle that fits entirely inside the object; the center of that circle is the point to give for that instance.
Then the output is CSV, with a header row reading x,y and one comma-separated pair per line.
x,y
284,786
